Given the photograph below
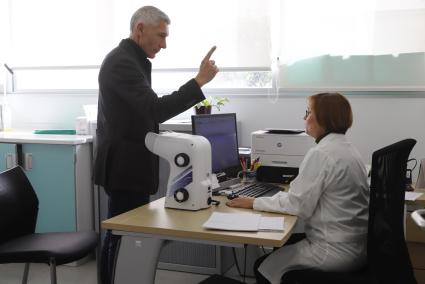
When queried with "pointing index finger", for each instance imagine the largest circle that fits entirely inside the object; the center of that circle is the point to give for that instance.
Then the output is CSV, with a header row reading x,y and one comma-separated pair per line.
x,y
207,57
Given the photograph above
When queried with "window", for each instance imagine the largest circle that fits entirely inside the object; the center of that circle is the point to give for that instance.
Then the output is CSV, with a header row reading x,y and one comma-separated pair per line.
x,y
262,44
353,44
77,79
66,41
3,44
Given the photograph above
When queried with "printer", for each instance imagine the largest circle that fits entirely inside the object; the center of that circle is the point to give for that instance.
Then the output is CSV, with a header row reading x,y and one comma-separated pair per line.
x,y
279,153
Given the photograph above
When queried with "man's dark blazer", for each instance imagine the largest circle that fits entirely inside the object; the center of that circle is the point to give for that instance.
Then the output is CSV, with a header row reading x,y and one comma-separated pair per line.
x,y
128,108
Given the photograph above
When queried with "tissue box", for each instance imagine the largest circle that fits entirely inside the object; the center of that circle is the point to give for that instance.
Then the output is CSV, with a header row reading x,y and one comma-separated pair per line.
x,y
82,126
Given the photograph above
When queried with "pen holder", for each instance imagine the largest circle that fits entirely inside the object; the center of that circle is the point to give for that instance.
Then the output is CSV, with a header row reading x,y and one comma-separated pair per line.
x,y
247,176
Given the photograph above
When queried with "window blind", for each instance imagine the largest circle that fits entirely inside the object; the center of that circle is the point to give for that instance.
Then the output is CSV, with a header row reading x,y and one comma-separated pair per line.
x,y
371,44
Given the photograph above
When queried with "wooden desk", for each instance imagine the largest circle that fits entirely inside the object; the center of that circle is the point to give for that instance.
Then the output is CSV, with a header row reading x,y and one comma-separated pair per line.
x,y
421,199
144,229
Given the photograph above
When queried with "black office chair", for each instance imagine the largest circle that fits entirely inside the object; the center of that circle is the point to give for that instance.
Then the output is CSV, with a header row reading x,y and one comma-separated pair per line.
x,y
18,241
388,258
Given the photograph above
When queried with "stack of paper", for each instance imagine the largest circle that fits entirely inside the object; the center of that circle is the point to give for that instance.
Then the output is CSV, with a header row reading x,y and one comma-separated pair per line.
x,y
244,222
412,196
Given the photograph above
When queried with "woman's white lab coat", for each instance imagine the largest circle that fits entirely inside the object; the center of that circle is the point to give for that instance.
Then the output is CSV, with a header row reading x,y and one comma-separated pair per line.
x,y
331,195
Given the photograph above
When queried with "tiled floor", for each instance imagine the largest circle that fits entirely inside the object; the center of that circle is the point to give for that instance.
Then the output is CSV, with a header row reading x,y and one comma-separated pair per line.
x,y
86,274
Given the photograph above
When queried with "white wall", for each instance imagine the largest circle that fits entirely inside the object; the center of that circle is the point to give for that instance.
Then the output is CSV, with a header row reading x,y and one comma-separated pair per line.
x,y
53,111
378,120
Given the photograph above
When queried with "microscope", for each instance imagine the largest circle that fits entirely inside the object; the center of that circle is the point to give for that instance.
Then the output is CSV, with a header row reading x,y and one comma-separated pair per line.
x,y
190,180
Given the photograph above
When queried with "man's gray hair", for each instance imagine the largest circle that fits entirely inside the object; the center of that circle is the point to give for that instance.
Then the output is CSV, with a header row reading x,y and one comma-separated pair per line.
x,y
149,15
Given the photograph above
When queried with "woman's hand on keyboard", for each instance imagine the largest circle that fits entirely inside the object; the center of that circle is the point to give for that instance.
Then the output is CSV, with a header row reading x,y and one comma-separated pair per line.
x,y
241,202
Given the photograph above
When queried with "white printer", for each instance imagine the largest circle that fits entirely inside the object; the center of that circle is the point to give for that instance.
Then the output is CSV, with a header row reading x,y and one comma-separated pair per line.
x,y
280,152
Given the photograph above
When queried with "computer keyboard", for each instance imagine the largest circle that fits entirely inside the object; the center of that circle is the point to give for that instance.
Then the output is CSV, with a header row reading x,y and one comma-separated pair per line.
x,y
257,189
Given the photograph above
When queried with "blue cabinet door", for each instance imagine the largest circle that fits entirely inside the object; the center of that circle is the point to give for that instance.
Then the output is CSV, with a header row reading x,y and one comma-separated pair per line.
x,y
8,154
51,170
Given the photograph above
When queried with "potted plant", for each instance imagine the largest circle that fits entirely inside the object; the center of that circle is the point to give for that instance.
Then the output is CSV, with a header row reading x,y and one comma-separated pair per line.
x,y
206,105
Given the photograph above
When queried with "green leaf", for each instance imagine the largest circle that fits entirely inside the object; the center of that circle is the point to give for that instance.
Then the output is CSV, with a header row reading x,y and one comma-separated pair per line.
x,y
213,101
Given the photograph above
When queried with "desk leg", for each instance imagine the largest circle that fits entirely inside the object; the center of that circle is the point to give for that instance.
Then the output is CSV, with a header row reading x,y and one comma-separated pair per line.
x,y
137,260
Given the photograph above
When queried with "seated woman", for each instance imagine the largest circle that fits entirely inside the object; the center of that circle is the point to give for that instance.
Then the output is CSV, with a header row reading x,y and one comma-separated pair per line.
x,y
330,194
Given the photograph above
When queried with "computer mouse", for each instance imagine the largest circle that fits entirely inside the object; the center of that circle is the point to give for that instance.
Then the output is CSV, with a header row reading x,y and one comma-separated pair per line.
x,y
232,196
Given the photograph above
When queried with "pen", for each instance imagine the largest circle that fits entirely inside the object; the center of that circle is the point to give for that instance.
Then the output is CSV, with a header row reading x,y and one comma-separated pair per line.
x,y
243,164
254,163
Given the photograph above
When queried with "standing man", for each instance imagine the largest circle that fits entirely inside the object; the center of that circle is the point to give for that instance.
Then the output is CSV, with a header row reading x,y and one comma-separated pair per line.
x,y
128,108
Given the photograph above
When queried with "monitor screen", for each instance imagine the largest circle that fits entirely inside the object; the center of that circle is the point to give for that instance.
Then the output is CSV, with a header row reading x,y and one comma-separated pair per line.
x,y
221,132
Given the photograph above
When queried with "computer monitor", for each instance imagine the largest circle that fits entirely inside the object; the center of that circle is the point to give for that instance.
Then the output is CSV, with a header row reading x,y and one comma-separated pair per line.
x,y
221,132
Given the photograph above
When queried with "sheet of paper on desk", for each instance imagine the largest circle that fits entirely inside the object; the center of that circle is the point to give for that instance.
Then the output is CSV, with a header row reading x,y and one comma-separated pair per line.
x,y
233,221
412,196
271,224
243,222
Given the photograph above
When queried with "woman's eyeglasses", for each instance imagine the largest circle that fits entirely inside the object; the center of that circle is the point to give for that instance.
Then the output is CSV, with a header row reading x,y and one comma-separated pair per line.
x,y
307,112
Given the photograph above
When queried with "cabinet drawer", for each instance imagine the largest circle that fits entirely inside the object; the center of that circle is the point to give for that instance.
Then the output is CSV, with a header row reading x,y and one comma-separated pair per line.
x,y
419,275
417,254
413,232
52,174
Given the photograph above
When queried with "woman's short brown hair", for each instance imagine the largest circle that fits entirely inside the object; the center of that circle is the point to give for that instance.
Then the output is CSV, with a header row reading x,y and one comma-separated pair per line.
x,y
333,112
